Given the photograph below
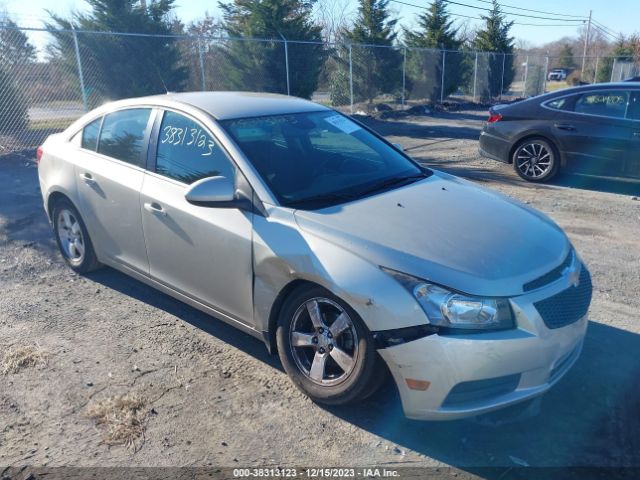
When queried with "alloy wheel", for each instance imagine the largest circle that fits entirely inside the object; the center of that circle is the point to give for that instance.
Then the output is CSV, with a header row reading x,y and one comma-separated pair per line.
x,y
534,160
70,236
324,342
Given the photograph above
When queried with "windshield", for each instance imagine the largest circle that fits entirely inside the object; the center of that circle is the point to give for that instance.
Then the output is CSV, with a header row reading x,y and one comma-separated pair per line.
x,y
315,159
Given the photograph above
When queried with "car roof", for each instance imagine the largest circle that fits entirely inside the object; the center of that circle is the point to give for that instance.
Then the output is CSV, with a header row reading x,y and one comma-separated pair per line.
x,y
229,105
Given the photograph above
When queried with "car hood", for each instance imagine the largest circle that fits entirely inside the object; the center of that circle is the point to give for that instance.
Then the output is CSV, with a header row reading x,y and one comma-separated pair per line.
x,y
448,231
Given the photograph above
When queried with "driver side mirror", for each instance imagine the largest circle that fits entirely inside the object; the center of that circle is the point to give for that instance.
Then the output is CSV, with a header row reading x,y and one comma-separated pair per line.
x,y
213,192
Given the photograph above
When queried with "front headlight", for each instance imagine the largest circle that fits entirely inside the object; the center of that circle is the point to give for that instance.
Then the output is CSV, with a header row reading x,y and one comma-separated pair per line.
x,y
448,309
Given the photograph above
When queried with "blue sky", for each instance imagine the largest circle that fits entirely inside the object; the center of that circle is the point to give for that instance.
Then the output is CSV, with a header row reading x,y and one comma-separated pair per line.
x,y
616,15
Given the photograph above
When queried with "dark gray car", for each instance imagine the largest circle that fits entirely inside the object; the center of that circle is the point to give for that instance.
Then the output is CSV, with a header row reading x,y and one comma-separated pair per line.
x,y
590,130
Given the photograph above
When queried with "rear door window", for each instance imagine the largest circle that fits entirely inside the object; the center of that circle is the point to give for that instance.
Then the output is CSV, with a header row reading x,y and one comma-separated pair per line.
x,y
123,133
187,152
603,104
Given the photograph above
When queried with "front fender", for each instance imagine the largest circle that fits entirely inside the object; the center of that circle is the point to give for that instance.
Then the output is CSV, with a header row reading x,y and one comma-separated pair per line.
x,y
284,254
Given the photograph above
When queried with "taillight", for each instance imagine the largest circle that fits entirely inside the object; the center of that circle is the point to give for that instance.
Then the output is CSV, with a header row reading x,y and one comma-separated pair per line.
x,y
495,117
38,155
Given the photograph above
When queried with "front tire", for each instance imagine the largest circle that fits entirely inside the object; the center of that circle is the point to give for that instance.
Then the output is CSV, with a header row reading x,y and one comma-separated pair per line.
x,y
72,238
326,349
536,160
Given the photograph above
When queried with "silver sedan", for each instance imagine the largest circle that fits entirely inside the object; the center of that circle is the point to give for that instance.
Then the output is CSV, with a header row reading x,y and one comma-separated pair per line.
x,y
306,229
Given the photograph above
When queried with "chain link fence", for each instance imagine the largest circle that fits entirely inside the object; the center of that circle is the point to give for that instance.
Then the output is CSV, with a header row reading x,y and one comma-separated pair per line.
x,y
43,90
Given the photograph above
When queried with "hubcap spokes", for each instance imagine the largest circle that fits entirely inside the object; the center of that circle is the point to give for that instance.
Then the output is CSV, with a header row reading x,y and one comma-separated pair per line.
x,y
324,341
70,236
533,160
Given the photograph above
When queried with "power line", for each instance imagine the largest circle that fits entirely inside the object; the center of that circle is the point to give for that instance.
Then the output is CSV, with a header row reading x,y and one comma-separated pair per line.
x,y
513,14
600,29
613,32
480,18
535,11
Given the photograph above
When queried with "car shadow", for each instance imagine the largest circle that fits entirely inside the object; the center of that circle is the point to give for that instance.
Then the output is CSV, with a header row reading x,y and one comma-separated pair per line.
x,y
590,415
583,182
398,128
115,280
503,173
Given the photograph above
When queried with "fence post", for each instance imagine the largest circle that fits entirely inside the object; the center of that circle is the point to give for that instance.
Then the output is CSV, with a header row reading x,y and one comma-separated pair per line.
x,y
286,60
475,77
595,70
404,73
546,70
613,67
84,92
526,74
504,59
444,56
286,63
351,79
201,64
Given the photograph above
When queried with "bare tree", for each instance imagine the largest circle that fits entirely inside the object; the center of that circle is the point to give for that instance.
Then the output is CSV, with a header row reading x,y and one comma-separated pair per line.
x,y
334,16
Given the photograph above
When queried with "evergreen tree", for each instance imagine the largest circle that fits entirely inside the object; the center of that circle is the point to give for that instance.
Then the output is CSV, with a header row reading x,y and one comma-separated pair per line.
x,y
566,58
424,68
116,66
16,55
622,52
261,66
375,70
494,37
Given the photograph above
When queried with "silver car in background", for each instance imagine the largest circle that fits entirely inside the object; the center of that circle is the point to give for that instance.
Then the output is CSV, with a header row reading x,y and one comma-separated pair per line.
x,y
307,230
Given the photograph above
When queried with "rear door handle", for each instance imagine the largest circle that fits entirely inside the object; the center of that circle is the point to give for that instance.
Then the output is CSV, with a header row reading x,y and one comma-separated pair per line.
x,y
155,208
564,126
87,178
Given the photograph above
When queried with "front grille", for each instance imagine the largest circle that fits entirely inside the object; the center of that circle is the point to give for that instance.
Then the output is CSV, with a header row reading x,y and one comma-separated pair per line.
x,y
568,306
549,277
478,390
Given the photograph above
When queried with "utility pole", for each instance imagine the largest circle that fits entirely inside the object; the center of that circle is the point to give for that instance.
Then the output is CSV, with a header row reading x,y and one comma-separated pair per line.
x,y
586,45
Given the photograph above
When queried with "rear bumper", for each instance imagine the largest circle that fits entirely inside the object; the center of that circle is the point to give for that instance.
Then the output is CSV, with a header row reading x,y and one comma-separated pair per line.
x,y
494,147
473,374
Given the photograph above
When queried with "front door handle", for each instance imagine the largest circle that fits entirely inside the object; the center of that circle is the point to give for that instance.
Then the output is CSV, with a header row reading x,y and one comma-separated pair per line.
x,y
155,208
564,126
87,178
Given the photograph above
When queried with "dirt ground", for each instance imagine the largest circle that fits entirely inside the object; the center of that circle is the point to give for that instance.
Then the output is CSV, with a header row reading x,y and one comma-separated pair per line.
x,y
102,370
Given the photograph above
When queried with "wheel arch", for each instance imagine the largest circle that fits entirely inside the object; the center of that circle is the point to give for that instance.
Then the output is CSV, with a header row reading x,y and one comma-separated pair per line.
x,y
55,197
276,308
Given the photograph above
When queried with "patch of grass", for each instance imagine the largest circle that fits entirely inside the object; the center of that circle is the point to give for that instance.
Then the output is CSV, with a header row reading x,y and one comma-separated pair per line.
x,y
122,418
19,357
50,124
553,86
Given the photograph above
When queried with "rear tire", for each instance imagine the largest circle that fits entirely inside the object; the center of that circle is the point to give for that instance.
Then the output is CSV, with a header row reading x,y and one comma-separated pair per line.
x,y
72,238
326,349
536,160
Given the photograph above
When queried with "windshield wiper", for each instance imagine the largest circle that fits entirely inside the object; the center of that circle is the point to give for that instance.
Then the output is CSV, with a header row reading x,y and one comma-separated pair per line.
x,y
393,181
328,198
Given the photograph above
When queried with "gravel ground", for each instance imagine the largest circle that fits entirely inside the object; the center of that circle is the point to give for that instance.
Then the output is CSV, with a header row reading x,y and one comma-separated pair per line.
x,y
206,394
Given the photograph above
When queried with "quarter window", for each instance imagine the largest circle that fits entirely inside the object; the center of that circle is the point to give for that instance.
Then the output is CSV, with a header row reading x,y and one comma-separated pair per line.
x,y
187,152
123,133
559,103
90,135
604,104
